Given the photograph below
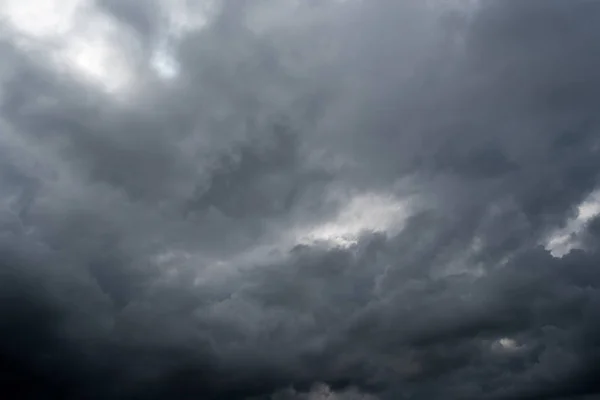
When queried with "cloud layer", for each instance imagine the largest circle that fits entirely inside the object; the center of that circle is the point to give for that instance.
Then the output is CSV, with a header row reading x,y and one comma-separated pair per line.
x,y
283,200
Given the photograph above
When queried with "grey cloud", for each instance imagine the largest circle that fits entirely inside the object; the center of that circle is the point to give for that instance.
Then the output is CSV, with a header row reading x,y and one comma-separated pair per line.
x,y
142,17
149,245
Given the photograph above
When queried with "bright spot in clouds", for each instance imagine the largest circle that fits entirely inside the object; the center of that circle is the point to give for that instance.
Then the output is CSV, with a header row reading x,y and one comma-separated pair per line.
x,y
40,18
91,45
364,213
93,56
164,64
506,345
78,38
562,241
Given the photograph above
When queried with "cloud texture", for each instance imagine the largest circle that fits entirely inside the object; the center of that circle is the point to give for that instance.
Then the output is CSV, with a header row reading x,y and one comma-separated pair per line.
x,y
286,200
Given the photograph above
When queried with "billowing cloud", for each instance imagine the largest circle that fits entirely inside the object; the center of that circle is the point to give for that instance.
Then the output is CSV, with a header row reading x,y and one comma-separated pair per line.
x,y
275,200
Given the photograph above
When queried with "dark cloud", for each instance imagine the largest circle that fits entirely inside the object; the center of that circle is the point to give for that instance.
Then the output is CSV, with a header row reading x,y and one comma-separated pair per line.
x,y
327,200
142,17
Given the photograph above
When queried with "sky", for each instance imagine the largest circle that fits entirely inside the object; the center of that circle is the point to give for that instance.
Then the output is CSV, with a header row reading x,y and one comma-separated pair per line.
x,y
299,200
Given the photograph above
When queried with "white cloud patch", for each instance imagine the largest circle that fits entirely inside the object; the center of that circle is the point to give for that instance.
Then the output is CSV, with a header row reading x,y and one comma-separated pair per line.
x,y
363,213
80,40
562,241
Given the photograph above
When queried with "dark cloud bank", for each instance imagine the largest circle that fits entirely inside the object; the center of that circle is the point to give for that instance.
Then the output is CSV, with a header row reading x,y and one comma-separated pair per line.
x,y
149,247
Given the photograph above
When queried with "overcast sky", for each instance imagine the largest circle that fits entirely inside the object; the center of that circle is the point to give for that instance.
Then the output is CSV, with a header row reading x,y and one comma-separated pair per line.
x,y
300,200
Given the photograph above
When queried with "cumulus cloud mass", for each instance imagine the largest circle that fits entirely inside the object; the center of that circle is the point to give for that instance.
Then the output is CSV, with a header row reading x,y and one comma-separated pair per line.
x,y
299,200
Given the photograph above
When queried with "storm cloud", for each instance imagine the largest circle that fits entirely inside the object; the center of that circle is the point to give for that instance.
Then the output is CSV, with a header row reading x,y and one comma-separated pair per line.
x,y
284,200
